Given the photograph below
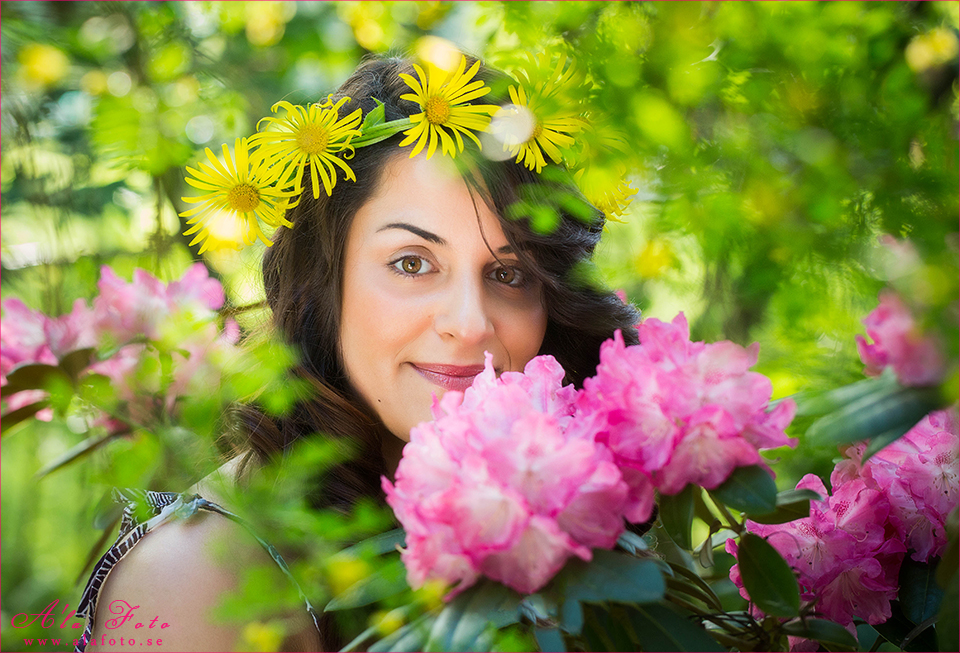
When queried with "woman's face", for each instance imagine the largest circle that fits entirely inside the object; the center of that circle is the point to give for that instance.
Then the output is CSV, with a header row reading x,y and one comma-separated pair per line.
x,y
425,295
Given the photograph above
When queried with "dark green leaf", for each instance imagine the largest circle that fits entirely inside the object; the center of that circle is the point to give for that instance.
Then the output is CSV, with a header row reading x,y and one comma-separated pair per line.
x,y
21,414
791,505
693,578
832,636
919,593
749,489
389,580
610,576
613,576
767,577
74,362
880,413
606,628
34,376
660,628
676,515
463,620
549,639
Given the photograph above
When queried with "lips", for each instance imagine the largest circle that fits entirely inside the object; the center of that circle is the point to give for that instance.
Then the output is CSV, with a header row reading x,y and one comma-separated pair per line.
x,y
449,377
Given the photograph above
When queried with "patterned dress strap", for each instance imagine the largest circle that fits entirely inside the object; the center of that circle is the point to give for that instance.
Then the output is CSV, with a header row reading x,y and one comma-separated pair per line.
x,y
159,508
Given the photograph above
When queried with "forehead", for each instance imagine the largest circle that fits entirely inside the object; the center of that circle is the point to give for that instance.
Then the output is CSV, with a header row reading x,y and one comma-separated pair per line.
x,y
431,195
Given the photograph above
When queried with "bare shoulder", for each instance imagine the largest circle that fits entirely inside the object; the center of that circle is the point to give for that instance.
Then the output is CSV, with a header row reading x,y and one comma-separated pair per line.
x,y
168,585
168,588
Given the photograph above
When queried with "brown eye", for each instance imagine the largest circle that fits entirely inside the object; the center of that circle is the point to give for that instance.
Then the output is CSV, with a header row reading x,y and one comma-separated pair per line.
x,y
412,265
508,276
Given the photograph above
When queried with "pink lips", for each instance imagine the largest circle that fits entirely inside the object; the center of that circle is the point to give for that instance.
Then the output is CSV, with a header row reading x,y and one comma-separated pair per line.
x,y
449,377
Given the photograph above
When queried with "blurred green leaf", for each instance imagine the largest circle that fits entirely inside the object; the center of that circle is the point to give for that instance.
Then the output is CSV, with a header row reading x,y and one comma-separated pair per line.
x,y
389,580
948,631
18,416
75,453
33,376
884,412
822,403
461,623
550,639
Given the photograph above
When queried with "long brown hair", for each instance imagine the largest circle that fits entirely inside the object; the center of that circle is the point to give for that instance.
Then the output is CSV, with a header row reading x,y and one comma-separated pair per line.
x,y
302,276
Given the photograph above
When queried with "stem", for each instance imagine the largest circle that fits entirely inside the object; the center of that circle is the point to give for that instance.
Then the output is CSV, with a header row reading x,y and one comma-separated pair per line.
x,y
701,613
732,522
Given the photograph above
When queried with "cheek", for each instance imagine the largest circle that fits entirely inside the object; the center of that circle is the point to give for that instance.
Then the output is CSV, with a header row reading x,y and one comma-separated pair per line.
x,y
522,334
377,324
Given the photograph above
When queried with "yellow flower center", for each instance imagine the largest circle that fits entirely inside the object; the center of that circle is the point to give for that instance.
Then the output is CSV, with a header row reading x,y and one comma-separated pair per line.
x,y
243,198
313,139
437,110
537,130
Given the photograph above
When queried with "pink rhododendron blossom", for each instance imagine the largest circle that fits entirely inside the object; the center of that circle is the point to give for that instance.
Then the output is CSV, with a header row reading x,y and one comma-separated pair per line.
x,y
897,342
848,552
845,557
505,483
196,286
23,338
675,412
181,312
920,475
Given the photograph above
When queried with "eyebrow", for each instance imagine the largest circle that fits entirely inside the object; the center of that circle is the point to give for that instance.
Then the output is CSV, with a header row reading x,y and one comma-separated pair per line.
x,y
430,236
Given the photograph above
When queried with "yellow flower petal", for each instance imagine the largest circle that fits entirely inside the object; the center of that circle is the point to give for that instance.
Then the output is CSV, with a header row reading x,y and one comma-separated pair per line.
x,y
445,112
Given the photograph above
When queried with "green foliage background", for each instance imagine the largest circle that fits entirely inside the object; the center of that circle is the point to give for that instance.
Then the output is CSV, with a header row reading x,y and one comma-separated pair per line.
x,y
772,143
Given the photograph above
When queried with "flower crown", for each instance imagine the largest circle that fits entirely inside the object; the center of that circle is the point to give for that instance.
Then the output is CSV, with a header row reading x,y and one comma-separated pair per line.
x,y
265,174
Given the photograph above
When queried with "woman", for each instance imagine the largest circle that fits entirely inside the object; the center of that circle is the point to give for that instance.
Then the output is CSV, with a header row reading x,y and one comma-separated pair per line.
x,y
392,288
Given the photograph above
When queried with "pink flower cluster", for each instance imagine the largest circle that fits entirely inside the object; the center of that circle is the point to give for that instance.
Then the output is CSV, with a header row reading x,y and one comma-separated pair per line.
x,y
123,314
520,473
847,553
504,484
675,412
898,342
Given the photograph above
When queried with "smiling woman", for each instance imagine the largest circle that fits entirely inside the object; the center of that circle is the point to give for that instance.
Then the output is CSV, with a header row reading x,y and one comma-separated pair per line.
x,y
393,286
447,288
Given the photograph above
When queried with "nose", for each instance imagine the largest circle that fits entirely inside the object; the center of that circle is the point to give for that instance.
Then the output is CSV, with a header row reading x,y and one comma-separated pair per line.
x,y
464,314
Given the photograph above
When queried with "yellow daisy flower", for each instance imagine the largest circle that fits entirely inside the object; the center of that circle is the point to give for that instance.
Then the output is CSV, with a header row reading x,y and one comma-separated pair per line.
x,y
444,107
241,188
550,131
548,99
310,136
611,193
